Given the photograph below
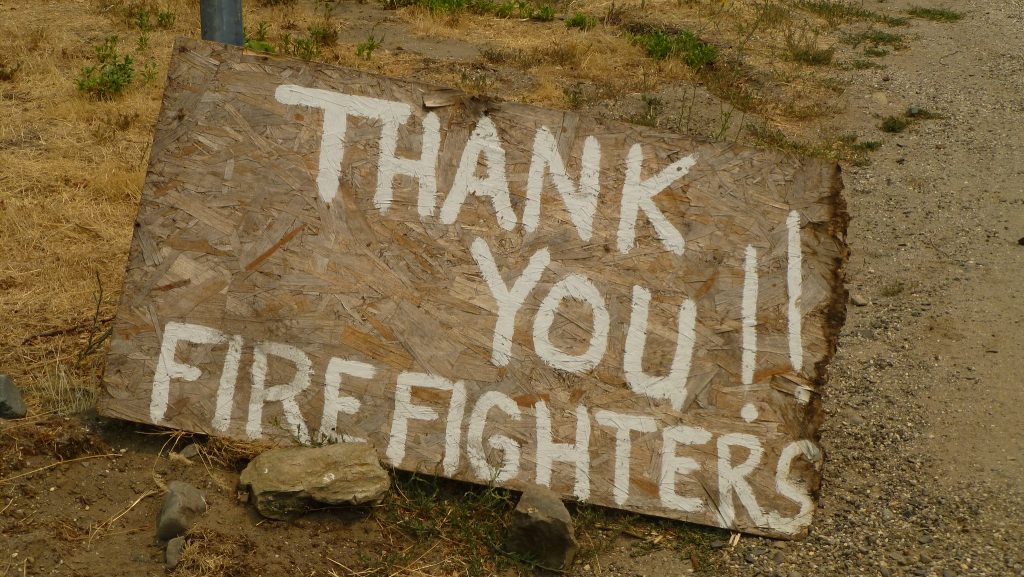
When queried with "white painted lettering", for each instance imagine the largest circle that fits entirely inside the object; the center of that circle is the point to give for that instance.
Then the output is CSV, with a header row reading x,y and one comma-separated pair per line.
x,y
748,360
624,425
795,491
671,387
405,411
508,447
167,368
580,201
578,287
508,300
335,402
285,394
733,479
483,142
638,195
674,465
578,453
337,107
794,278
423,169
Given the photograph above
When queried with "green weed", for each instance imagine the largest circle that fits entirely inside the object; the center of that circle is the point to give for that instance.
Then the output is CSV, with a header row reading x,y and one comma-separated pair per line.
x,y
573,96
894,124
659,44
165,19
258,41
935,14
916,112
111,74
652,107
365,49
803,47
300,47
581,21
545,13
470,521
323,33
874,38
892,289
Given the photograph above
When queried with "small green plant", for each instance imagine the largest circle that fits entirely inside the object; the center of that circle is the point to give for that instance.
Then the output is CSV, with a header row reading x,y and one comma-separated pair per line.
x,y
300,47
581,21
165,19
258,42
142,44
505,10
365,49
935,14
141,18
803,47
324,33
651,111
875,38
684,45
545,13
894,124
916,112
149,72
110,76
875,51
573,96
892,289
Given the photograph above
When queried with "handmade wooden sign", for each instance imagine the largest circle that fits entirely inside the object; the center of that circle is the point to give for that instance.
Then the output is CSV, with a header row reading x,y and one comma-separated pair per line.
x,y
487,291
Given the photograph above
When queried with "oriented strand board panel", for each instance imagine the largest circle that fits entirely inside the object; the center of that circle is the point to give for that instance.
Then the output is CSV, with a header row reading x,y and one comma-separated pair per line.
x,y
486,291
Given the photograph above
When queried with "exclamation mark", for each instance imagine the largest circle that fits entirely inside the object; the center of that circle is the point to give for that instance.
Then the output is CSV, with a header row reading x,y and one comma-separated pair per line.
x,y
793,280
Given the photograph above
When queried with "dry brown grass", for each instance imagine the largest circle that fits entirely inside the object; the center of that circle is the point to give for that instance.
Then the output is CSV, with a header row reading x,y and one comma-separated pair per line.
x,y
211,554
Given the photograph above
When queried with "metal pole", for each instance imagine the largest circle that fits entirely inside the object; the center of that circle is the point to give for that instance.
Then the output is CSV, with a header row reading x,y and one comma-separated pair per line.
x,y
221,21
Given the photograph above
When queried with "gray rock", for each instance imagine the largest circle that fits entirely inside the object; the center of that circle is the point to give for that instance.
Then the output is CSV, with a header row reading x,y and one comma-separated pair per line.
x,y
285,483
190,451
172,555
859,300
542,529
11,404
885,572
183,506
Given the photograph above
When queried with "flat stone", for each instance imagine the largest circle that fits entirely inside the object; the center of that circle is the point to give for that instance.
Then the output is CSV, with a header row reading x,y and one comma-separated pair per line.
x,y
542,529
190,451
183,506
286,483
172,554
859,300
11,404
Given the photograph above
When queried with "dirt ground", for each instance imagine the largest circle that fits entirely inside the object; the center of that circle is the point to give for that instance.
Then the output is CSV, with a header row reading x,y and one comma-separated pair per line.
x,y
924,433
